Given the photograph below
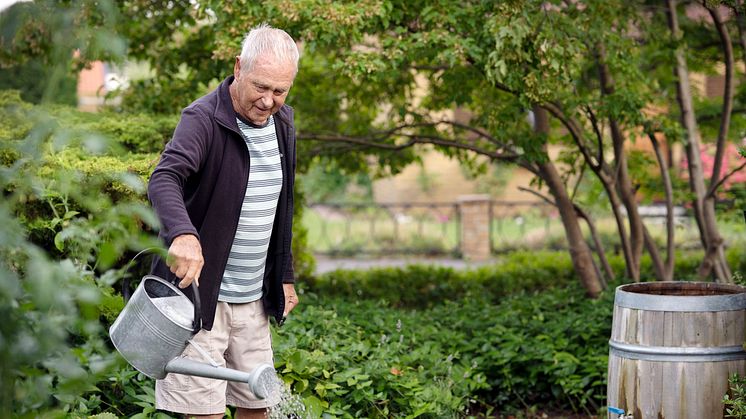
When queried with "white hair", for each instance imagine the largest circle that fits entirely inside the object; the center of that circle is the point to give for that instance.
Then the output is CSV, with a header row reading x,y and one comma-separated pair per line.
x,y
266,40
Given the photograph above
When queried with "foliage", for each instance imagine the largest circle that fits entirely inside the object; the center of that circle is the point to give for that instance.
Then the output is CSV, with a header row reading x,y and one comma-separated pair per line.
x,y
357,357
428,285
47,32
521,271
31,79
51,346
461,76
363,358
735,400
178,43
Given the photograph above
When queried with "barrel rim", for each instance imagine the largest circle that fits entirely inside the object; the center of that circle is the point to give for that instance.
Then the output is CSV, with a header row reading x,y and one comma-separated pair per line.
x,y
630,296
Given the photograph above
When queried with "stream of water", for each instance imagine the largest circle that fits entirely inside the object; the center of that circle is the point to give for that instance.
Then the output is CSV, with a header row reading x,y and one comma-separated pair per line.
x,y
291,405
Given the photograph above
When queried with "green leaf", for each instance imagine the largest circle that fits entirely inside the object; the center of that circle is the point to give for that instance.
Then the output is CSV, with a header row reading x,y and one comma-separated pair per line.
x,y
59,241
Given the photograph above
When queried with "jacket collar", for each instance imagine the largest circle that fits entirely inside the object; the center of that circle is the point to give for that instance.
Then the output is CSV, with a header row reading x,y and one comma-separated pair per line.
x,y
226,115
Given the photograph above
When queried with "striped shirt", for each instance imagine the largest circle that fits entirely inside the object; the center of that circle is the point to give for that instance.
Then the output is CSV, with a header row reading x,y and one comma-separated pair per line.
x,y
244,273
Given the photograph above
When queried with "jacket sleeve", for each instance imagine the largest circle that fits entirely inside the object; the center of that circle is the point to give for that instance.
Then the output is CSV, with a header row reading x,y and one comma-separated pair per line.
x,y
289,275
182,158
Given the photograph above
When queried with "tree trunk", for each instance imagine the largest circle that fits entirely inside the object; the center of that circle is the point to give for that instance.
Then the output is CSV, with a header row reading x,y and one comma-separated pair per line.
x,y
580,253
599,246
703,204
620,175
582,259
616,205
602,171
627,195
668,267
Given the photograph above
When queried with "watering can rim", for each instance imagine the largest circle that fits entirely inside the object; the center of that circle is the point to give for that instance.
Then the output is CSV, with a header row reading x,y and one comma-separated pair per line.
x,y
179,294
126,294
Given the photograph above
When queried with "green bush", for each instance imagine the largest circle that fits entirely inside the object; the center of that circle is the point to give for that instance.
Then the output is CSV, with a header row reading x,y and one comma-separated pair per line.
x,y
735,400
427,285
52,344
364,358
139,132
418,286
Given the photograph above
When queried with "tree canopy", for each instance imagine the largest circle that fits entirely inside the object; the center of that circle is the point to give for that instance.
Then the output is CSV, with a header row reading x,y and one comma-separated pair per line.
x,y
502,80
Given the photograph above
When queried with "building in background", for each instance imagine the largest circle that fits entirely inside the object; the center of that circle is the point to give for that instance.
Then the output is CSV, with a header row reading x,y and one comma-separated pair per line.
x,y
95,83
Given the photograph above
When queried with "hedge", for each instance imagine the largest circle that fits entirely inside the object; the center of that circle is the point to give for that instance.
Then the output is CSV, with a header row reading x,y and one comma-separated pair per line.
x,y
419,286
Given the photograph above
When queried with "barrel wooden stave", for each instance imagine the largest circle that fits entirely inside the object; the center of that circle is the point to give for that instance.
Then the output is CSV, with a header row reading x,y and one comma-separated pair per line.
x,y
669,388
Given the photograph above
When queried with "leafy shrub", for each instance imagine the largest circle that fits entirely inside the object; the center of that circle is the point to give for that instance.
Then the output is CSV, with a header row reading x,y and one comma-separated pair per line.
x,y
364,358
427,285
735,400
52,346
140,133
418,286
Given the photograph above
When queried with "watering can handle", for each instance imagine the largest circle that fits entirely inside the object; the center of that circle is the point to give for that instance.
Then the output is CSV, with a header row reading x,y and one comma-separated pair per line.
x,y
197,324
126,293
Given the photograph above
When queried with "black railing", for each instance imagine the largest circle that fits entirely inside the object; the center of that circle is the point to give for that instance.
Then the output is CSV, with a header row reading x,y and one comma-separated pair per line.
x,y
384,229
434,229
426,229
524,225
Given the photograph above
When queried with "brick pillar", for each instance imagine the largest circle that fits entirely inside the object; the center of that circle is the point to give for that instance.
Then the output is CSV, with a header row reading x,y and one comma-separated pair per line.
x,y
475,227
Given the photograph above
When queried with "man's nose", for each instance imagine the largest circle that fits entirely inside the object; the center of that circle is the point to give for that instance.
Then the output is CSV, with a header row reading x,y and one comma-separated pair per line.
x,y
267,100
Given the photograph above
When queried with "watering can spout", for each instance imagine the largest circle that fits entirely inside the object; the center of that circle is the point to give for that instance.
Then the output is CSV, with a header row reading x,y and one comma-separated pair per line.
x,y
261,380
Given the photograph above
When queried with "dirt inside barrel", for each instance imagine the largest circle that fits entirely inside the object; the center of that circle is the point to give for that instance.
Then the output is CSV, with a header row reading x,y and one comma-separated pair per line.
x,y
684,289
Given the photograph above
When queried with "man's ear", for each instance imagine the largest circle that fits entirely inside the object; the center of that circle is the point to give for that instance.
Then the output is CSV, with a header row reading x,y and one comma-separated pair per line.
x,y
237,66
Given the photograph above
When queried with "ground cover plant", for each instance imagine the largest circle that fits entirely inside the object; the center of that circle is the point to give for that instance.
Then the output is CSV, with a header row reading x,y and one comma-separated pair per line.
x,y
466,356
364,358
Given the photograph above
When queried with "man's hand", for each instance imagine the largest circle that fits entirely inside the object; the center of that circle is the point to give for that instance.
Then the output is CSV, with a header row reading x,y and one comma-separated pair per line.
x,y
291,298
185,259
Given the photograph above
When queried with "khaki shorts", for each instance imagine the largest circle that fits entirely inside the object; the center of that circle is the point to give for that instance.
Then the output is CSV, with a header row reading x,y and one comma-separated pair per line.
x,y
239,339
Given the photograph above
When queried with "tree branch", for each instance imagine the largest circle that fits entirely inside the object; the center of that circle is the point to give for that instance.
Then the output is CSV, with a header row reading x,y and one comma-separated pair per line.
x,y
727,97
726,177
668,189
577,184
539,195
597,131
376,142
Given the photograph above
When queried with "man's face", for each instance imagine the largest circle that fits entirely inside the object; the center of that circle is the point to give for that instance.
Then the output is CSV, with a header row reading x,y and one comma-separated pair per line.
x,y
261,91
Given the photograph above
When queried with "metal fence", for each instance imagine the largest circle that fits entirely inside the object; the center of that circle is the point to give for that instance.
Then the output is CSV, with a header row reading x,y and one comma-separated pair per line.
x,y
426,229
434,229
524,225
384,229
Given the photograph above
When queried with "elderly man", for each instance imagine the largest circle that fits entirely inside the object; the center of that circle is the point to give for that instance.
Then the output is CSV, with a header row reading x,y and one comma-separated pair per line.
x,y
223,191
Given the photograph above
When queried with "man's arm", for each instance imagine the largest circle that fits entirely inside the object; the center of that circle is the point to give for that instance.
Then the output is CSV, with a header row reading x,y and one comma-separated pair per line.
x,y
181,159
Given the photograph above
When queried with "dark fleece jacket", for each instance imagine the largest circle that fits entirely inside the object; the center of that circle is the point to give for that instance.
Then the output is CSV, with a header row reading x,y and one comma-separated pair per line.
x,y
198,188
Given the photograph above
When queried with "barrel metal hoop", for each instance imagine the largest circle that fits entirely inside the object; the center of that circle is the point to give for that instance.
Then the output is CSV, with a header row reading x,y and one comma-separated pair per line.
x,y
676,354
140,313
653,302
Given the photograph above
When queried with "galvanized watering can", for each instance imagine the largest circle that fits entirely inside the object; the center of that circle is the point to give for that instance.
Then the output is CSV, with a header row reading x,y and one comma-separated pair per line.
x,y
155,327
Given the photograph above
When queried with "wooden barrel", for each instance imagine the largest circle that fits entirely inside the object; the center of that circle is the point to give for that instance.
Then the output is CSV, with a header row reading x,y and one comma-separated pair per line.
x,y
673,347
